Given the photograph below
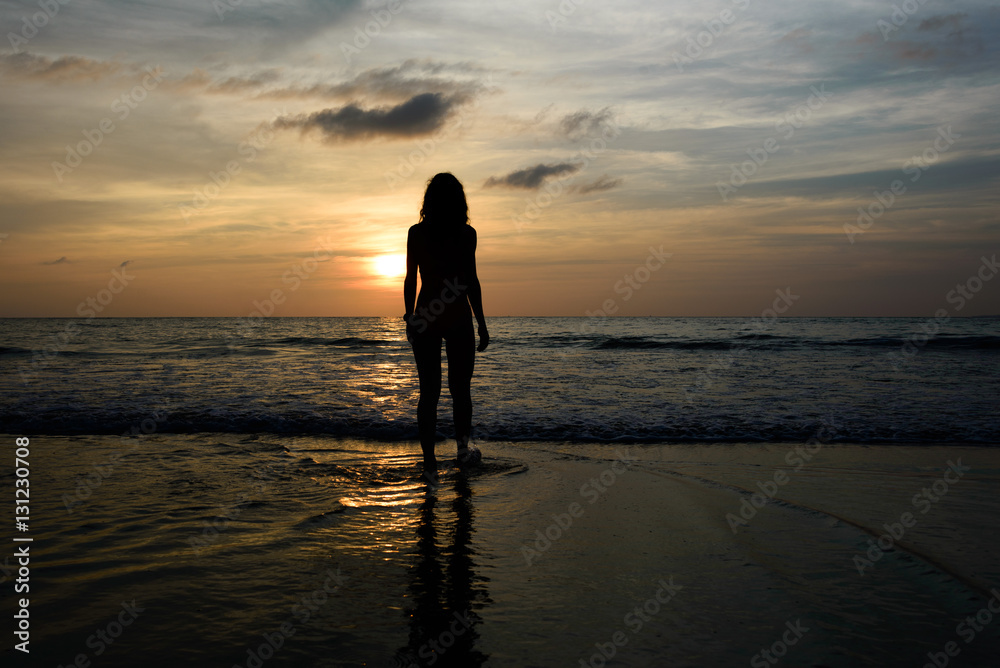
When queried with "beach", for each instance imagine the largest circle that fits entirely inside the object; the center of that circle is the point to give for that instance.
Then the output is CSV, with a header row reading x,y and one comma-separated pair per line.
x,y
248,550
654,492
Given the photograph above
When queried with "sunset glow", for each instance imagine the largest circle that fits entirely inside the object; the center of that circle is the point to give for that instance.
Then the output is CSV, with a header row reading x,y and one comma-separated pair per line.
x,y
390,266
214,147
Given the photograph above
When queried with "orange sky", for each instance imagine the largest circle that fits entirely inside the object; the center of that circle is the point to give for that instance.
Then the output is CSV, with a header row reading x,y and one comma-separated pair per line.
x,y
225,153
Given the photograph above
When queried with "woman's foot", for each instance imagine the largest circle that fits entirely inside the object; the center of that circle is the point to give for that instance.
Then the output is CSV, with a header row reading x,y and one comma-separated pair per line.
x,y
430,469
469,455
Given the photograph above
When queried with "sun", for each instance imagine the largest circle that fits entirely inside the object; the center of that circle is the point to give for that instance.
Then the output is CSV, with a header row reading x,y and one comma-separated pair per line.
x,y
390,266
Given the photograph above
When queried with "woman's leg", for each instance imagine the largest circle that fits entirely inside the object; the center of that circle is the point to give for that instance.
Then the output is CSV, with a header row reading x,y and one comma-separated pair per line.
x,y
460,343
427,353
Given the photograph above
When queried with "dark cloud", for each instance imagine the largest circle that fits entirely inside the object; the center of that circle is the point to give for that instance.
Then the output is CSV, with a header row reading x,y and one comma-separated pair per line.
x,y
586,123
62,260
532,177
937,22
605,182
125,264
420,115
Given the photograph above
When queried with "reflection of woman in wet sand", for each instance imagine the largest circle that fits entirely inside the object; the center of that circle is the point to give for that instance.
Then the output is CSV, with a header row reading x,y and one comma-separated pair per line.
x,y
445,593
442,246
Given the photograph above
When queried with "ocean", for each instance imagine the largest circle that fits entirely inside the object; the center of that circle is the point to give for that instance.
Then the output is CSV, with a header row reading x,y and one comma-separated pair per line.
x,y
865,380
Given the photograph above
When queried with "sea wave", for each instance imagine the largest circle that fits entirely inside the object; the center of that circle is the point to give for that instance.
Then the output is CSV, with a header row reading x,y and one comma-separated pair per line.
x,y
701,426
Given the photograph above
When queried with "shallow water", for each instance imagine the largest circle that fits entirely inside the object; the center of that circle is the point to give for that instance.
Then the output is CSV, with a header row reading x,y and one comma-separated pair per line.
x,y
218,537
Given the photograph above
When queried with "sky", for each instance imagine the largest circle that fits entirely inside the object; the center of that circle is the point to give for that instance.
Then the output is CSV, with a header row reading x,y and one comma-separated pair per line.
x,y
227,157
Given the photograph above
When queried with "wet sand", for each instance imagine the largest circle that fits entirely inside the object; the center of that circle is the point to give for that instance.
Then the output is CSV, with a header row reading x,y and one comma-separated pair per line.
x,y
307,551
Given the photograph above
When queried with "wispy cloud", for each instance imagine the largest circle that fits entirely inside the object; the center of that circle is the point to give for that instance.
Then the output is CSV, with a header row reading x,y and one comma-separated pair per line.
x,y
586,123
398,83
65,68
602,184
532,178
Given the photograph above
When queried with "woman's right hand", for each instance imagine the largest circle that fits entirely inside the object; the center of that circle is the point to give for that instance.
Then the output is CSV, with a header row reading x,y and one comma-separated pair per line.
x,y
410,329
484,338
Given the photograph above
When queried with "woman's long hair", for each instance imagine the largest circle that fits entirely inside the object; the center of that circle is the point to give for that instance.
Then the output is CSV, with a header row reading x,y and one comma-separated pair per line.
x,y
444,201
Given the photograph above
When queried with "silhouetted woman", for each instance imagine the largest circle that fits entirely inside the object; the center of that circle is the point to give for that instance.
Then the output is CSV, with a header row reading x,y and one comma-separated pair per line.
x,y
442,246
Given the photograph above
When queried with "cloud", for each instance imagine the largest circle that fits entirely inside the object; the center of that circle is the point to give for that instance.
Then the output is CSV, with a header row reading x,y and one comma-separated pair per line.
x,y
420,115
237,84
231,84
532,177
936,22
586,123
283,21
125,264
907,50
62,260
376,85
605,182
400,83
950,181
800,40
66,68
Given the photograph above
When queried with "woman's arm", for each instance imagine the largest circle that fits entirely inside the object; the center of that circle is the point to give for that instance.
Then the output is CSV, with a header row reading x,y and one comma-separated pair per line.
x,y
410,282
475,293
